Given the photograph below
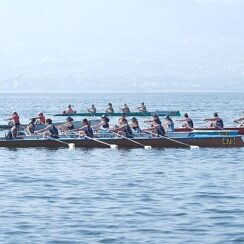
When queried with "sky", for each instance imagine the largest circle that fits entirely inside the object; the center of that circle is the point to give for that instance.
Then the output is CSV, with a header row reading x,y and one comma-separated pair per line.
x,y
122,45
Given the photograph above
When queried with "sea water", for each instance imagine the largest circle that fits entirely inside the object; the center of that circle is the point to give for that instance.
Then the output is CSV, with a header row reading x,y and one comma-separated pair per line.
x,y
122,196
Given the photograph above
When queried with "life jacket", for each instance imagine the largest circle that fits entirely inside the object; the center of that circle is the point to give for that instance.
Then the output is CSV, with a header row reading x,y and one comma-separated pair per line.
x,y
219,123
128,132
160,130
137,129
88,131
15,118
190,123
53,132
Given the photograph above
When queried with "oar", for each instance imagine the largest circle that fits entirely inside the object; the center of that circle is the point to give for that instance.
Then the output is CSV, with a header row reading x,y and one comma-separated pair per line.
x,y
112,146
70,145
179,142
129,139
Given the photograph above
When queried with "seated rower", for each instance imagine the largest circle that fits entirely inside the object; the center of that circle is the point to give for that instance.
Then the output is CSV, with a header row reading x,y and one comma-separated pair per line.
x,y
216,122
123,129
31,127
86,129
121,119
103,126
125,109
187,122
110,109
50,129
240,121
142,108
134,125
92,109
15,121
70,110
156,126
68,126
40,119
168,124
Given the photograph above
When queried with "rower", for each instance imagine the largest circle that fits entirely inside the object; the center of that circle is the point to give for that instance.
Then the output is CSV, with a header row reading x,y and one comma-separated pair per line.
x,y
92,109
86,129
134,125
125,109
168,124
121,119
110,109
123,129
40,119
50,129
68,126
103,126
142,108
70,110
156,126
240,120
216,121
15,121
187,122
31,127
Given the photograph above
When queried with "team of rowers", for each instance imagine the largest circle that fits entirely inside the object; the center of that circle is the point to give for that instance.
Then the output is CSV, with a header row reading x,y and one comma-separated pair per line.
x,y
109,110
123,127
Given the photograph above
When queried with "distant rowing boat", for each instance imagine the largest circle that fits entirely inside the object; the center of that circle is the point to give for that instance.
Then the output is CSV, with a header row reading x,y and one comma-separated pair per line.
x,y
135,114
155,142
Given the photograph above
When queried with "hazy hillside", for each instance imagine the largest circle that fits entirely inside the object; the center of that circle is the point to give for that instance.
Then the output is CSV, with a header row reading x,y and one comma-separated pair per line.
x,y
125,45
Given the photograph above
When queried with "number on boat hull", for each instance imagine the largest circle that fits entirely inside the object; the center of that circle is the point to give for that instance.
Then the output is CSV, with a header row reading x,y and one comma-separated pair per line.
x,y
229,141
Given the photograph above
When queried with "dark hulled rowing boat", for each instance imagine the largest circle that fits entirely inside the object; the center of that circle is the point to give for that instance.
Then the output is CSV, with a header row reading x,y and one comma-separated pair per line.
x,y
155,142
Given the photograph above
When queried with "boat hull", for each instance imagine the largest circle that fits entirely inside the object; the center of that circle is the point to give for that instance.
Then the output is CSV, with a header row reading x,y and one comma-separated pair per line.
x,y
136,114
218,141
225,130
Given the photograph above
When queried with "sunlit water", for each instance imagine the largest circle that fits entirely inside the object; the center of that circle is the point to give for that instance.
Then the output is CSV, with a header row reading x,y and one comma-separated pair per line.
x,y
122,196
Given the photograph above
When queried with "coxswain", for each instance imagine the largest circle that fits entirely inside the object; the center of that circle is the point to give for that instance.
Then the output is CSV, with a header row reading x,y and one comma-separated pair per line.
x,y
216,122
240,120
168,124
40,119
110,109
186,121
155,126
31,127
92,109
125,109
134,125
70,110
86,129
50,129
142,108
123,129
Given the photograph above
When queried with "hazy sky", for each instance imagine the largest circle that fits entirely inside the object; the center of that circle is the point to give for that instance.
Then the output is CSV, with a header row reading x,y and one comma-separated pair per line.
x,y
161,45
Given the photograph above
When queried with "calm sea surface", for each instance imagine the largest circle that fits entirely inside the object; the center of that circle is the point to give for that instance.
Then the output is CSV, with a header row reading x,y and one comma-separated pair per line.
x,y
122,196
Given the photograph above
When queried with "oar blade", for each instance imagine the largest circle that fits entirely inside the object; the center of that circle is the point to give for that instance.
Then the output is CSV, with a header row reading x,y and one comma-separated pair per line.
x,y
113,146
71,146
147,147
194,147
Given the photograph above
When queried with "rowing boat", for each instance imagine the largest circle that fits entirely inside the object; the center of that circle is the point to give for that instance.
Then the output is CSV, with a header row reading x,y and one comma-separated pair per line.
x,y
77,124
159,113
218,141
225,130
